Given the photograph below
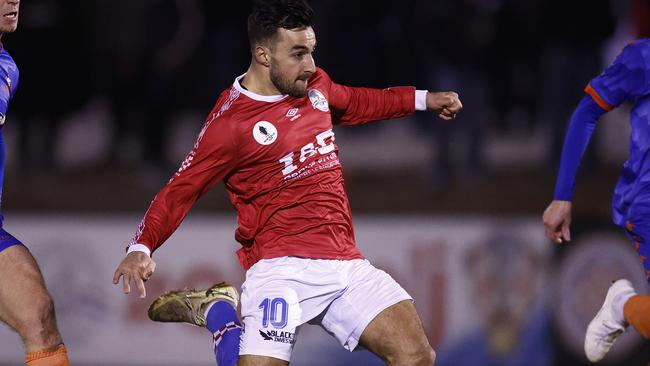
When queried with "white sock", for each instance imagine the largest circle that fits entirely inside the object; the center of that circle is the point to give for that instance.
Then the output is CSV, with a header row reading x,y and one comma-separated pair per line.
x,y
207,309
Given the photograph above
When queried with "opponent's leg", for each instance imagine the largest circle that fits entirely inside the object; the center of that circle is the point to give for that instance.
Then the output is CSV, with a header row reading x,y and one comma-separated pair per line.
x,y
636,311
55,357
407,343
609,322
622,307
635,308
213,308
25,304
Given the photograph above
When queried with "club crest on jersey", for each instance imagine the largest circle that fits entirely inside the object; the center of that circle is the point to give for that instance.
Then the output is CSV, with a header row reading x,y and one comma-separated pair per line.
x,y
318,100
2,119
265,133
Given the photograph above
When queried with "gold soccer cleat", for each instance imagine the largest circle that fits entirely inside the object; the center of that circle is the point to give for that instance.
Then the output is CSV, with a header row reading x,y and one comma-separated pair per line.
x,y
188,306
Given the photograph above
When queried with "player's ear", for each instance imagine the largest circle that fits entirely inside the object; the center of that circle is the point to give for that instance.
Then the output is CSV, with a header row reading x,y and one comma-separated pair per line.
x,y
262,55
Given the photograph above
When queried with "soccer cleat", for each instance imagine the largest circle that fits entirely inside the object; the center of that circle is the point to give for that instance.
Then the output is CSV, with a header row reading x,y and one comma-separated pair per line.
x,y
188,306
607,325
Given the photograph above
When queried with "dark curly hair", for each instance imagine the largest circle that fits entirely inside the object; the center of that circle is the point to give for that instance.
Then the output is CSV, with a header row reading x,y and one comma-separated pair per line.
x,y
269,15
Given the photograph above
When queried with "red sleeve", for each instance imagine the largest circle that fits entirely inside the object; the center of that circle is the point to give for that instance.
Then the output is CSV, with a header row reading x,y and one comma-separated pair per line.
x,y
212,158
352,106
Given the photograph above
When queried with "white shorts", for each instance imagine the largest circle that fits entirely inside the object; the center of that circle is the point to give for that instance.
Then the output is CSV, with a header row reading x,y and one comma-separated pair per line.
x,y
281,294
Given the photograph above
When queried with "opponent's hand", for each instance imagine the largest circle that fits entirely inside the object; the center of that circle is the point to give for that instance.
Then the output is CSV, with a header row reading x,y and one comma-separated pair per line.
x,y
446,104
137,267
557,219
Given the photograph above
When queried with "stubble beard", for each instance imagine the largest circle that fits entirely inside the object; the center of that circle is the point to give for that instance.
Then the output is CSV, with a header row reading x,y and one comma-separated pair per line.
x,y
4,29
8,26
286,86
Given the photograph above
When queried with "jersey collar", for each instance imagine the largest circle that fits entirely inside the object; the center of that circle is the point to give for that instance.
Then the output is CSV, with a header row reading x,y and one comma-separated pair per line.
x,y
260,98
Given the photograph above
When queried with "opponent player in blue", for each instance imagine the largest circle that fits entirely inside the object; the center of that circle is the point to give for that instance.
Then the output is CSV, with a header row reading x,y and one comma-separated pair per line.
x,y
25,304
627,79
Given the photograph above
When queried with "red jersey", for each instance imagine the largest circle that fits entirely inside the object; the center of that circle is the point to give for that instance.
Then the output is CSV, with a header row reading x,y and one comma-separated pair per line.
x,y
279,161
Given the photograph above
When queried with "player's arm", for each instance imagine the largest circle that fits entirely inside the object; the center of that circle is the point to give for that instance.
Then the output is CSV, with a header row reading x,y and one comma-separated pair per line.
x,y
621,81
212,158
351,105
557,216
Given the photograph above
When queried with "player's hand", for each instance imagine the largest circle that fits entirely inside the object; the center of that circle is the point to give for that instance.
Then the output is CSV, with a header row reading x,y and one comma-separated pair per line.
x,y
446,104
137,267
557,219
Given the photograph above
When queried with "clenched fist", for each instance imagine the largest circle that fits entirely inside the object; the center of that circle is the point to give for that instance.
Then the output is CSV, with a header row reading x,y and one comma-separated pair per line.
x,y
446,104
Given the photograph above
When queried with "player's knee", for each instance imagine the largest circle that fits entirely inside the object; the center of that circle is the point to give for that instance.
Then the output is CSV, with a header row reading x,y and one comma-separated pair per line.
x,y
38,322
45,309
417,356
427,356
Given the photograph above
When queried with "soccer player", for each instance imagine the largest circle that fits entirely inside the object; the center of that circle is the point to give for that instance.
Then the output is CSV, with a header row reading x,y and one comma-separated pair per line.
x,y
627,79
270,139
25,304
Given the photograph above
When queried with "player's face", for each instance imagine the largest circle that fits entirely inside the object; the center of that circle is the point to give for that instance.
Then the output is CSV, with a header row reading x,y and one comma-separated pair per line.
x,y
8,15
292,62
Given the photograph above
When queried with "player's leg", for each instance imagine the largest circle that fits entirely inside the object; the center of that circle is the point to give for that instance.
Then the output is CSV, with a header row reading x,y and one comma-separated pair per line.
x,y
251,360
271,311
377,313
26,306
636,308
609,322
222,320
622,306
397,336
636,311
214,308
278,297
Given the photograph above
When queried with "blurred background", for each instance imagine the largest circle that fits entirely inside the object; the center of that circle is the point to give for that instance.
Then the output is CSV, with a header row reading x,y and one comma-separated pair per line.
x,y
113,93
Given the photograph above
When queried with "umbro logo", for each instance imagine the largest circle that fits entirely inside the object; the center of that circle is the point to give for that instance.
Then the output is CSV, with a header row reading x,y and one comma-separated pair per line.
x,y
293,114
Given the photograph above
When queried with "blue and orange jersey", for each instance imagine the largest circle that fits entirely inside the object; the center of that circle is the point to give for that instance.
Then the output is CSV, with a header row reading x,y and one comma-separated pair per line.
x,y
9,82
8,85
628,79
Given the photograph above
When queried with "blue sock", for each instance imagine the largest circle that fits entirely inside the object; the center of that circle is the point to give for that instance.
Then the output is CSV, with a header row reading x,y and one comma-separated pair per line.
x,y
222,322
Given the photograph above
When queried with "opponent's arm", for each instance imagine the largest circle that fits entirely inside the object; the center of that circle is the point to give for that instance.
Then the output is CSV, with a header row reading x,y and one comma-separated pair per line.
x,y
212,158
557,216
623,80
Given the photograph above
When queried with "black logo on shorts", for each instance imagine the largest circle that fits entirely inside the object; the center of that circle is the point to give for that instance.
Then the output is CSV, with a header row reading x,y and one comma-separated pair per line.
x,y
266,337
275,336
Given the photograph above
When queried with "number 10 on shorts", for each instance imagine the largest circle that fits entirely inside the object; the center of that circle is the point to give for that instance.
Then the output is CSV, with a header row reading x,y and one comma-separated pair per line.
x,y
274,311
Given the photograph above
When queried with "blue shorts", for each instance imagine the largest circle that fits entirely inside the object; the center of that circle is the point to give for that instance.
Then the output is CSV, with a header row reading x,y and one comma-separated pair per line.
x,y
7,240
639,232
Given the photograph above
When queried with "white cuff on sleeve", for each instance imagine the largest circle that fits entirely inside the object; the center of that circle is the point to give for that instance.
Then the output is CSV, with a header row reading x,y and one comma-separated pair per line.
x,y
421,100
139,248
